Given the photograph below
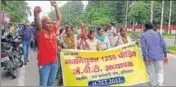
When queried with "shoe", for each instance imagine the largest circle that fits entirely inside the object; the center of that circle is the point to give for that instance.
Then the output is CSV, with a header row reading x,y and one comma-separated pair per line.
x,y
25,63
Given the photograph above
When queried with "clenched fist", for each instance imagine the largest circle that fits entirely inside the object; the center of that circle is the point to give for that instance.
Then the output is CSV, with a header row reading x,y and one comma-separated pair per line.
x,y
37,10
53,3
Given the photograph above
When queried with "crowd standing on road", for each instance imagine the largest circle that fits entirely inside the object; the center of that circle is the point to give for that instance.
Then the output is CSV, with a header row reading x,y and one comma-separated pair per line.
x,y
51,41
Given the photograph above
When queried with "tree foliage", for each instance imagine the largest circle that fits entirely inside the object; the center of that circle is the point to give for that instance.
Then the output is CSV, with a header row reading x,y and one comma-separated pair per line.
x,y
70,12
102,12
96,15
18,10
139,12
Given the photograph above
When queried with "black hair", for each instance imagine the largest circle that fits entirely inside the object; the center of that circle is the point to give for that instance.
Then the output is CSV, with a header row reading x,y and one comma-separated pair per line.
x,y
90,32
122,29
148,25
99,28
67,27
112,23
61,30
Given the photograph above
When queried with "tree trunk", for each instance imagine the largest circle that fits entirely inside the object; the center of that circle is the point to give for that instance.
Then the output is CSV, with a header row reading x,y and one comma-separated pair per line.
x,y
69,13
133,26
151,15
162,13
170,14
126,15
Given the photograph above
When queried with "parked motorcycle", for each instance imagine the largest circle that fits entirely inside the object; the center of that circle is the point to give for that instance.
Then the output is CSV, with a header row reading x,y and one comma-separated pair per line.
x,y
10,58
7,60
16,42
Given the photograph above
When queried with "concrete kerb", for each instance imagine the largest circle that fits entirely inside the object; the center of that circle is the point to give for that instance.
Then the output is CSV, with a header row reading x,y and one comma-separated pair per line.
x,y
172,52
167,37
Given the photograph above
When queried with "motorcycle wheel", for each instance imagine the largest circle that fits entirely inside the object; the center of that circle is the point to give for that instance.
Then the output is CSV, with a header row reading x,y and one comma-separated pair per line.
x,y
13,73
18,59
20,50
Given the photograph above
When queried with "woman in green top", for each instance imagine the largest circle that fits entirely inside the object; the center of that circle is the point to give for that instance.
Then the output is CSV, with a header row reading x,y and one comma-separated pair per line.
x,y
69,38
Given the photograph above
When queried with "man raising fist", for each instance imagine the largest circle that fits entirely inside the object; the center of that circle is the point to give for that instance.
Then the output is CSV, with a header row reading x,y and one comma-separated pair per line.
x,y
47,46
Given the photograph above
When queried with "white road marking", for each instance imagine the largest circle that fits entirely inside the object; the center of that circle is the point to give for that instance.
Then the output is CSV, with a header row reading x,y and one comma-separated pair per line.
x,y
21,80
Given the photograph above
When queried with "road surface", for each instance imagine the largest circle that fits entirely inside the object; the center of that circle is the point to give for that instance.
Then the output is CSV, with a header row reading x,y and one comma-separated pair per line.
x,y
29,75
169,42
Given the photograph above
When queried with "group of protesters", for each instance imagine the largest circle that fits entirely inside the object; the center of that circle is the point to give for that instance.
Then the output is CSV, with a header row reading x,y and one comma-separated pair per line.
x,y
52,37
94,39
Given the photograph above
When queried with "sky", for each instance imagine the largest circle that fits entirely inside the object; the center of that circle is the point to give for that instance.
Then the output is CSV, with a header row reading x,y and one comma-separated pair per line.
x,y
45,6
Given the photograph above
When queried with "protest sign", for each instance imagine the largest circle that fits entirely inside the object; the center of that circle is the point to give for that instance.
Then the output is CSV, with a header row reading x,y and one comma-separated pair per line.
x,y
121,66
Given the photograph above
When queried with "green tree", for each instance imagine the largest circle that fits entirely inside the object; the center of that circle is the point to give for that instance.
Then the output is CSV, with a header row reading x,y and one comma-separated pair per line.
x,y
173,18
139,12
18,10
71,11
157,13
94,15
119,10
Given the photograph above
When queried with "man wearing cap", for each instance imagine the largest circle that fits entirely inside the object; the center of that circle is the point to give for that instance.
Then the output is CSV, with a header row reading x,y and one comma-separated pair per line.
x,y
47,46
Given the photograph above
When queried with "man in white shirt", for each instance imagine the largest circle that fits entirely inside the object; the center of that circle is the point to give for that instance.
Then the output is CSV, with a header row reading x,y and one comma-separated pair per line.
x,y
112,34
111,28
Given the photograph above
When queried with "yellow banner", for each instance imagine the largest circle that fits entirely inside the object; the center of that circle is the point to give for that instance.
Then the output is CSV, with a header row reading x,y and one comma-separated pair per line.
x,y
121,66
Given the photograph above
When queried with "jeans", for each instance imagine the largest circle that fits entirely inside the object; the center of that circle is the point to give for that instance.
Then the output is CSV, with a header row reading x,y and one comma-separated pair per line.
x,y
33,44
26,45
36,45
155,69
48,74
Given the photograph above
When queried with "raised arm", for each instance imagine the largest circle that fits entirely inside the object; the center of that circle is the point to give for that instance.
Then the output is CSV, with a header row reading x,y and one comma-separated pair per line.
x,y
37,10
82,27
58,14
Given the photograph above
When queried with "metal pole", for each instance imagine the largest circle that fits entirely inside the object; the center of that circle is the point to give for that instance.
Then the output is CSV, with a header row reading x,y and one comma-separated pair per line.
x,y
175,39
162,13
170,14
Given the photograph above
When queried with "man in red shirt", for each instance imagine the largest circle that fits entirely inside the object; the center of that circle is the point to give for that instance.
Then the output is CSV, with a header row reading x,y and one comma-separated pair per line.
x,y
47,46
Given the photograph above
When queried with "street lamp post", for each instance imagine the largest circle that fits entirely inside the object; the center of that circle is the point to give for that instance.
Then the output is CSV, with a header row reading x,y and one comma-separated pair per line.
x,y
175,35
175,39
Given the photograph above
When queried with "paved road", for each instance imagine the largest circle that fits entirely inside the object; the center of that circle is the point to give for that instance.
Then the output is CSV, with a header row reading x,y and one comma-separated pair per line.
x,y
169,42
29,74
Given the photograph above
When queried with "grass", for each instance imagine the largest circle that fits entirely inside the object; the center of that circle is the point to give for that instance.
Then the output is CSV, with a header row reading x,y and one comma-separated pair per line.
x,y
134,35
171,48
167,34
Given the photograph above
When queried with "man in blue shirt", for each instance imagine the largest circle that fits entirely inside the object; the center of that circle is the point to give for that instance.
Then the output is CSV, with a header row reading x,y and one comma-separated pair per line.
x,y
154,53
27,37
33,37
